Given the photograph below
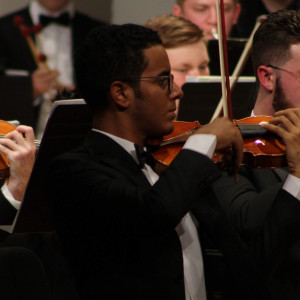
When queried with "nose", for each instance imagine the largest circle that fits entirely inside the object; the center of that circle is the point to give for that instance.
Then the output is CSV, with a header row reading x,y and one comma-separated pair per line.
x,y
195,72
177,92
213,16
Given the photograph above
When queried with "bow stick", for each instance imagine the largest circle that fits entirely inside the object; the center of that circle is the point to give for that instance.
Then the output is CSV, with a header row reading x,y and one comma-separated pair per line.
x,y
226,94
240,65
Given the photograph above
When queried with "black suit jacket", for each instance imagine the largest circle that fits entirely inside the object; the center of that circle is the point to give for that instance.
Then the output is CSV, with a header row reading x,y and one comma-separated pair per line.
x,y
259,208
7,211
118,232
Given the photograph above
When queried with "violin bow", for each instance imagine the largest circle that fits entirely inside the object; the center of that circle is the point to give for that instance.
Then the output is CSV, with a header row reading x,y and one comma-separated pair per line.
x,y
239,67
226,92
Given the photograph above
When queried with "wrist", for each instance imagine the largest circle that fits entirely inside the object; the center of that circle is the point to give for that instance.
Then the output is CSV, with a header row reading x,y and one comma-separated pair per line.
x,y
17,190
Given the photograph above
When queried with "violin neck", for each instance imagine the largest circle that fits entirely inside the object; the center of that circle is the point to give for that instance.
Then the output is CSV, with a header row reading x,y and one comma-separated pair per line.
x,y
252,131
37,142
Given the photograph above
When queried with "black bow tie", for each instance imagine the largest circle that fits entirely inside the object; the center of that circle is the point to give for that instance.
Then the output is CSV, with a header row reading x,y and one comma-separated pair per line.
x,y
144,157
63,19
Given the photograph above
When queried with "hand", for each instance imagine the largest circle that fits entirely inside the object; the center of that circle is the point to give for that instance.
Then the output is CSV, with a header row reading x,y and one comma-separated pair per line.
x,y
289,131
20,152
43,80
228,136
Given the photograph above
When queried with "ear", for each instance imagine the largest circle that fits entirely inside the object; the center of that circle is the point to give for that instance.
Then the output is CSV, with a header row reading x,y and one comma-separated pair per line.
x,y
267,78
237,13
121,94
177,11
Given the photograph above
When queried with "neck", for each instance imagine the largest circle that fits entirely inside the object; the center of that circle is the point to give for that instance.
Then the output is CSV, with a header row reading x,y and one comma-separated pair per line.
x,y
54,10
263,104
118,125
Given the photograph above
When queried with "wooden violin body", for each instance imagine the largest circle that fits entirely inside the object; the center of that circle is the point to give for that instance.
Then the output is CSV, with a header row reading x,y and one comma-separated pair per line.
x,y
260,151
5,127
173,143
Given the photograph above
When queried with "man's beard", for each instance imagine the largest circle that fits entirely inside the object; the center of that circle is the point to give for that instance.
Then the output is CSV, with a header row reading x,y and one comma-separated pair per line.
x,y
279,101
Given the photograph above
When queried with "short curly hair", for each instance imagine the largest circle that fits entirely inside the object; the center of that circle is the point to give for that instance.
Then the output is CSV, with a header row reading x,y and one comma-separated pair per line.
x,y
110,53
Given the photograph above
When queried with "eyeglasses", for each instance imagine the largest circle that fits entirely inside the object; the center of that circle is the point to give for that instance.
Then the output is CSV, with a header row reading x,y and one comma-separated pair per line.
x,y
290,72
163,80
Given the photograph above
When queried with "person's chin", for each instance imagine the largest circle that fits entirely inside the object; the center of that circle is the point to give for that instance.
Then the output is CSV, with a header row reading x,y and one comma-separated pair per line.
x,y
173,115
168,128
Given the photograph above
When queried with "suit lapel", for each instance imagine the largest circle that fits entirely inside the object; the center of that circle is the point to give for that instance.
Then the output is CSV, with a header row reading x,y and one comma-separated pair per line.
x,y
113,155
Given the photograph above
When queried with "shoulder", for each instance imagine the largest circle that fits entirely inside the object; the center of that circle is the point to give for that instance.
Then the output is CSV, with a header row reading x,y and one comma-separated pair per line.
x,y
7,26
24,12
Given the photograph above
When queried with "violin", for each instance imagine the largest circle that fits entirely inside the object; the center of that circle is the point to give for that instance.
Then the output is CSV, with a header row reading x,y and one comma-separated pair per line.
x,y
5,128
261,149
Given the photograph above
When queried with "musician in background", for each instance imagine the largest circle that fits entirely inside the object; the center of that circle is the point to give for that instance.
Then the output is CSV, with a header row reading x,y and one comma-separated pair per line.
x,y
185,45
203,13
19,148
63,29
251,10
276,60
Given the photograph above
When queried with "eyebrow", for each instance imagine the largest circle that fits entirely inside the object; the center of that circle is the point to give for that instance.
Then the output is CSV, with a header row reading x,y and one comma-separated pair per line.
x,y
182,65
164,73
189,65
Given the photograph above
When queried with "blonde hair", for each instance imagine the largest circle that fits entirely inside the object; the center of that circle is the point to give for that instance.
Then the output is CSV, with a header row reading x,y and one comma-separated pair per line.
x,y
175,31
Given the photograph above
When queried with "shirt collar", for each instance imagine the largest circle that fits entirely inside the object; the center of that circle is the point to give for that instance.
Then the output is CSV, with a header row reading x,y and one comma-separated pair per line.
x,y
36,9
125,144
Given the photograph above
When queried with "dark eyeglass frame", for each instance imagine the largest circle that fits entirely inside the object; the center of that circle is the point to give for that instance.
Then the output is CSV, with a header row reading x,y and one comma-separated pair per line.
x,y
169,77
284,70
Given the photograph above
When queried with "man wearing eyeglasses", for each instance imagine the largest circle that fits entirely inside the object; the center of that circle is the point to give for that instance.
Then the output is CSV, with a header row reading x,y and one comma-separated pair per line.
x,y
276,59
128,233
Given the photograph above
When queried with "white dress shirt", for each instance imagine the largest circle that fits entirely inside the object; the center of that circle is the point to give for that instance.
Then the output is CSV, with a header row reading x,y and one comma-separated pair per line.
x,y
55,41
9,197
186,229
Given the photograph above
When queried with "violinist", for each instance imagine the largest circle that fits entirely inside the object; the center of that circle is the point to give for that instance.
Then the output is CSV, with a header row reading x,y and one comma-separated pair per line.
x,y
203,13
126,232
19,148
249,204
